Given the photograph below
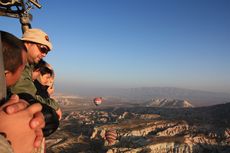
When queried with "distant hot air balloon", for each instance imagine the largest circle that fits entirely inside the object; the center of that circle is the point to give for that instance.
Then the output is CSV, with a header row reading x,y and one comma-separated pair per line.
x,y
111,136
97,101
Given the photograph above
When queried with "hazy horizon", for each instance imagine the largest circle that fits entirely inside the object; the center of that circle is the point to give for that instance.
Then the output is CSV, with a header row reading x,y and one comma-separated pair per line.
x,y
75,89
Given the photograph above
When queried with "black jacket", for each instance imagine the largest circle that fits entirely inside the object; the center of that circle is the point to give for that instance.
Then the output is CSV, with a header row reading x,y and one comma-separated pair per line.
x,y
41,89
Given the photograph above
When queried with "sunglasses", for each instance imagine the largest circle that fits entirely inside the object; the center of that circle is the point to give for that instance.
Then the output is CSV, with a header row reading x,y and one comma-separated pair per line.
x,y
43,49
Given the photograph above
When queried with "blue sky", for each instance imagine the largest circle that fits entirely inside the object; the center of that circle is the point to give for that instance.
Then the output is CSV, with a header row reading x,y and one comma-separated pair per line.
x,y
136,43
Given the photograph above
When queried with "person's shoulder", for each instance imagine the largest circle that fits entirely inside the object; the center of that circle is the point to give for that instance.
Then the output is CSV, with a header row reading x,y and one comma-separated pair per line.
x,y
27,73
37,83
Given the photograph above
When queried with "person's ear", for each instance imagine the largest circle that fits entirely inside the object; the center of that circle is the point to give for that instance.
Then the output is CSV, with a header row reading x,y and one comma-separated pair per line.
x,y
7,72
8,75
27,44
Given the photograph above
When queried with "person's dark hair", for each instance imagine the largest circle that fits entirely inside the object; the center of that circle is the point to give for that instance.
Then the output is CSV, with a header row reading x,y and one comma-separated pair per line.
x,y
12,48
42,67
46,70
40,64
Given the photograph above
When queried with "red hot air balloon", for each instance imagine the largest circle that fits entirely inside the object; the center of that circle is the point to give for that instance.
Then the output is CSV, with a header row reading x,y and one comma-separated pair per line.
x,y
111,136
97,101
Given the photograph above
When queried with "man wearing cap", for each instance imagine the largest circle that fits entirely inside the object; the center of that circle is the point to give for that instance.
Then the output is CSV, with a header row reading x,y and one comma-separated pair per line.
x,y
38,45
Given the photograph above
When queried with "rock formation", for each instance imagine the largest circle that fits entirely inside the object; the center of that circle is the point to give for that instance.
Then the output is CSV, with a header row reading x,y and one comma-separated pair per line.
x,y
144,130
169,103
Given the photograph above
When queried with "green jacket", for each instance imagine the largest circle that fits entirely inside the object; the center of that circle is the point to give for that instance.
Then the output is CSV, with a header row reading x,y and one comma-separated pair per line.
x,y
26,85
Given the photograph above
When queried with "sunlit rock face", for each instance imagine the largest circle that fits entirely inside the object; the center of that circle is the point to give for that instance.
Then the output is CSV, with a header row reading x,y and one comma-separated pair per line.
x,y
169,103
163,136
132,129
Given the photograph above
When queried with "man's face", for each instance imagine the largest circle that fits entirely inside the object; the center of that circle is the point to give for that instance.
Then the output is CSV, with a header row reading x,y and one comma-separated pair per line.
x,y
36,52
12,78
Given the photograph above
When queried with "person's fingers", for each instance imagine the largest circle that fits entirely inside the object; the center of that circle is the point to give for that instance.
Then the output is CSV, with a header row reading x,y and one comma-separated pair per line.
x,y
13,99
38,121
34,108
16,107
59,113
38,139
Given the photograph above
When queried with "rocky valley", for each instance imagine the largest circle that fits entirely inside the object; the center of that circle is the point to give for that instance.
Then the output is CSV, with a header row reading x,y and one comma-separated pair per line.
x,y
131,128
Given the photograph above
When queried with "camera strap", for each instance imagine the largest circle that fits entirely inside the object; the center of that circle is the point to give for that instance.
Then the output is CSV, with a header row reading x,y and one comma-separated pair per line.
x,y
2,74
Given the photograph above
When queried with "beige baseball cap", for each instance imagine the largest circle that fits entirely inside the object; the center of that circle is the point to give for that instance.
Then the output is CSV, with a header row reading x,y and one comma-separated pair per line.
x,y
37,36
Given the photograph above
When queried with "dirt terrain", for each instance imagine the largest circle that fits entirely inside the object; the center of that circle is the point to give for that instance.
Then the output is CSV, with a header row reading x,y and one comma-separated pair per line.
x,y
116,127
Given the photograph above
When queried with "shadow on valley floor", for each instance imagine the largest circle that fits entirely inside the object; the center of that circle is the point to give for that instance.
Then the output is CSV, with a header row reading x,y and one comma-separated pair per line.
x,y
216,115
193,130
97,147
203,148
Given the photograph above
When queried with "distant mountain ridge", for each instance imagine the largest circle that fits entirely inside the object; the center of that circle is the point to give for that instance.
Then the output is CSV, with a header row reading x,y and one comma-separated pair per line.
x,y
140,95
196,97
169,103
